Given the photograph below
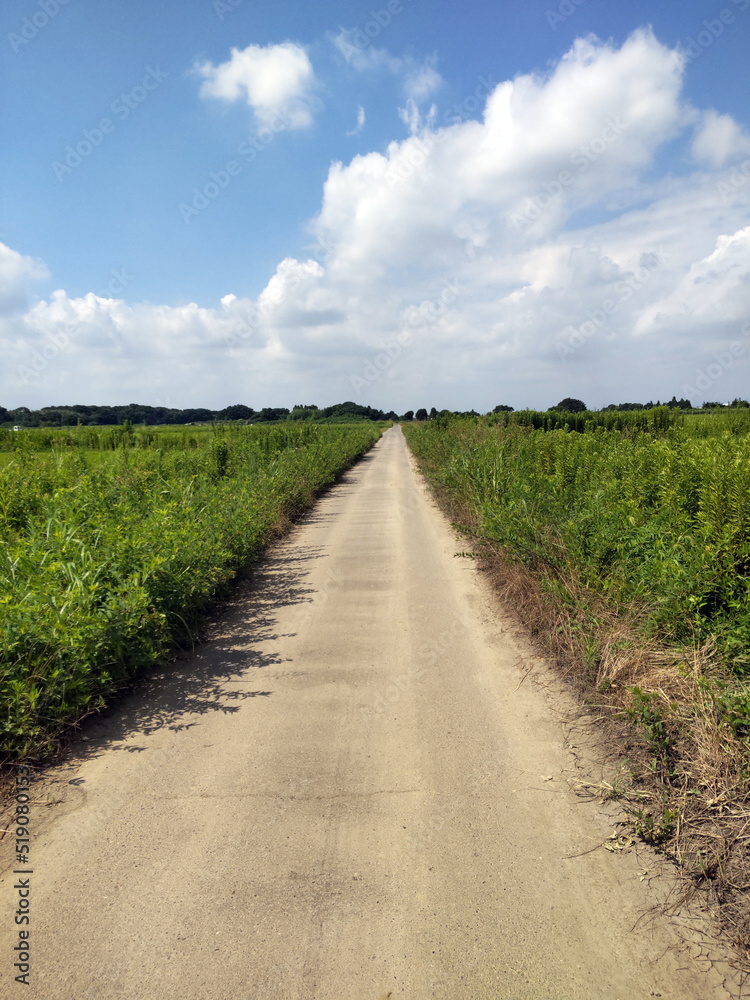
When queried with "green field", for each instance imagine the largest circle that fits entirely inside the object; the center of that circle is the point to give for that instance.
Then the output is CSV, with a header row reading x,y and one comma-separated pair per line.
x,y
650,510
116,540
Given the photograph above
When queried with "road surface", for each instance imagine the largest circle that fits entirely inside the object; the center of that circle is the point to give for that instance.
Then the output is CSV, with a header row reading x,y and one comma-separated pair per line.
x,y
345,794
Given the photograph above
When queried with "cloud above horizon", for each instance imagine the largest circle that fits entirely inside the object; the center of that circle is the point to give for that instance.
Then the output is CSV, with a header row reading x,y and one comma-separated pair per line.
x,y
536,245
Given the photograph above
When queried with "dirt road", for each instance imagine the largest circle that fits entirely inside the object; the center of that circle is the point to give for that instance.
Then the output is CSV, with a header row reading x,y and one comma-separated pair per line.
x,y
345,794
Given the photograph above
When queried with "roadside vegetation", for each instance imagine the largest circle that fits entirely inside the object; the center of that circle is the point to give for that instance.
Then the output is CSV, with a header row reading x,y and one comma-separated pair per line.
x,y
623,540
116,540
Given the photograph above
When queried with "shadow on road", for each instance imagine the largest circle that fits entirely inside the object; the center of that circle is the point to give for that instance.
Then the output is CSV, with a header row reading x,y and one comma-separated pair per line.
x,y
205,680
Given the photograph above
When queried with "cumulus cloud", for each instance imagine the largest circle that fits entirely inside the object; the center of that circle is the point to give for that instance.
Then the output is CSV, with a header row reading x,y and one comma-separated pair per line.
x,y
545,149
17,272
518,258
715,290
277,82
719,139
63,346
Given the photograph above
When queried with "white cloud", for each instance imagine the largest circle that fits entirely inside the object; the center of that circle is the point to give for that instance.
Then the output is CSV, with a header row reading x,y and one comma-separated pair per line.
x,y
715,290
276,81
361,118
410,116
363,56
422,82
16,274
598,119
719,139
65,346
431,292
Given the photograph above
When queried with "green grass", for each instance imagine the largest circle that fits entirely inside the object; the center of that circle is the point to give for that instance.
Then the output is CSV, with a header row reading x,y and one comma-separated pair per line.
x,y
655,513
110,438
111,554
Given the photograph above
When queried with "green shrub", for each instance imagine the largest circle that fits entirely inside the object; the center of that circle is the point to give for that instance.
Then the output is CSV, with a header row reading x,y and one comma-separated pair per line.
x,y
110,557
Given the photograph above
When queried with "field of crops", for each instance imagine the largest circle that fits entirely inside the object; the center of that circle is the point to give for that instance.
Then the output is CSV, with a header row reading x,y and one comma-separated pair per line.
x,y
115,541
650,510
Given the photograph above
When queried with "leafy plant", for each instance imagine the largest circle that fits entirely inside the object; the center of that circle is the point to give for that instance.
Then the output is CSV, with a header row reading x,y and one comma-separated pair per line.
x,y
652,829
111,559
645,711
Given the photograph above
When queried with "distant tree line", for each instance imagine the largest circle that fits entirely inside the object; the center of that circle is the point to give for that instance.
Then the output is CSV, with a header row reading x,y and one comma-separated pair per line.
x,y
136,413
571,405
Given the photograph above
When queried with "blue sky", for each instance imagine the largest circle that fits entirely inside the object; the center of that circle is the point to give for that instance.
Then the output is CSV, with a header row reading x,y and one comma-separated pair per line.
x,y
406,205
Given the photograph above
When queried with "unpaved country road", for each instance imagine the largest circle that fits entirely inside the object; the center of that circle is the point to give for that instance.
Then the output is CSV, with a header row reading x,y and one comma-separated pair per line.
x,y
340,797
